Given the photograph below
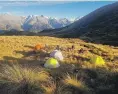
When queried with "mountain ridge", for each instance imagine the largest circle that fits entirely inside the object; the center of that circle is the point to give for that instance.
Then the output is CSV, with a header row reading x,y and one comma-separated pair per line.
x,y
99,26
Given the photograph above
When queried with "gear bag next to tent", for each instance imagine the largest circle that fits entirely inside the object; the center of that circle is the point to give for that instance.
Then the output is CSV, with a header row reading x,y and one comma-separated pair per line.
x,y
51,63
57,55
97,60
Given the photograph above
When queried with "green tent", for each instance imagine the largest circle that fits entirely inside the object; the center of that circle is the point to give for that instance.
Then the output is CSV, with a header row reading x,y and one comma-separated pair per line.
x,y
98,61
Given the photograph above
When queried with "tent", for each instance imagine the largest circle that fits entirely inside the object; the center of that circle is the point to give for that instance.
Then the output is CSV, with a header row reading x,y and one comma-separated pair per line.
x,y
57,55
51,63
38,47
98,61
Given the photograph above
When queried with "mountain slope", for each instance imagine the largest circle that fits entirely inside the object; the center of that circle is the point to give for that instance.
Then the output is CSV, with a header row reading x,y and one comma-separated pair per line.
x,y
100,25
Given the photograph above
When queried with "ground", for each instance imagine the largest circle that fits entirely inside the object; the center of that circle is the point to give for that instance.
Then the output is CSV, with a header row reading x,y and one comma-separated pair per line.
x,y
76,73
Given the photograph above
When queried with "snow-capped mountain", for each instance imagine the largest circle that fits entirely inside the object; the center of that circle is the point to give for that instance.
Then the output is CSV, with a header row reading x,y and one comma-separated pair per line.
x,y
31,22
78,18
11,22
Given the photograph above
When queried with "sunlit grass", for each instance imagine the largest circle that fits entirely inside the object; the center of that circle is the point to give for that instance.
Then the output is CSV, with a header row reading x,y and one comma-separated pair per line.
x,y
49,88
16,74
72,80
15,48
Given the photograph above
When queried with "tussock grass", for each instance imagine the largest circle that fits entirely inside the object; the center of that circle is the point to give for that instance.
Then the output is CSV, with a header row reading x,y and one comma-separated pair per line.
x,y
19,49
49,88
17,74
72,80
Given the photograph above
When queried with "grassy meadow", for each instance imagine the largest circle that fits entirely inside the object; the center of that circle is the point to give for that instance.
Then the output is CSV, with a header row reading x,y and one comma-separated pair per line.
x,y
22,70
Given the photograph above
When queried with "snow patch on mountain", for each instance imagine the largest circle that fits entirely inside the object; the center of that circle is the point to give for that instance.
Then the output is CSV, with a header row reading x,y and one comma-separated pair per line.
x,y
31,23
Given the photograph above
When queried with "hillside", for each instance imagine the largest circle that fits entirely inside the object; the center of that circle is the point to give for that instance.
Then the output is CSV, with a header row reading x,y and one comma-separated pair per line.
x,y
99,26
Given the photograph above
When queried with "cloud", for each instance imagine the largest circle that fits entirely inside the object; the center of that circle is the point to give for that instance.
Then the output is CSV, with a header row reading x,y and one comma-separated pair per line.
x,y
38,2
59,0
30,2
12,3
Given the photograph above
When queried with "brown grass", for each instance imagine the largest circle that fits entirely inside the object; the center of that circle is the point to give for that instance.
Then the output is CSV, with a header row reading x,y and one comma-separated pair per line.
x,y
19,49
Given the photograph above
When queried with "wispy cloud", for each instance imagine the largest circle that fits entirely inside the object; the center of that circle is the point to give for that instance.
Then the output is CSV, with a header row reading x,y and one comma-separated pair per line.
x,y
59,0
13,3
30,2
40,2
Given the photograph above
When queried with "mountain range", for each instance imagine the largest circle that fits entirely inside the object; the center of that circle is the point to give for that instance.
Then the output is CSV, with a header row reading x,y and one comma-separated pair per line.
x,y
33,23
99,26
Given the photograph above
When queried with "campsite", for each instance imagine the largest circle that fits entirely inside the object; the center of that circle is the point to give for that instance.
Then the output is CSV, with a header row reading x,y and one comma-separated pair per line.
x,y
92,70
58,47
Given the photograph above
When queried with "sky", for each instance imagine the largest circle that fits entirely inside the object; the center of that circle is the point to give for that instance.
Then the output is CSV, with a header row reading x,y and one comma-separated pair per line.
x,y
57,9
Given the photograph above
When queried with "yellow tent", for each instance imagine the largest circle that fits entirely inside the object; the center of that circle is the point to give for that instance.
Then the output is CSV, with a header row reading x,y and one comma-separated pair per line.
x,y
51,63
97,60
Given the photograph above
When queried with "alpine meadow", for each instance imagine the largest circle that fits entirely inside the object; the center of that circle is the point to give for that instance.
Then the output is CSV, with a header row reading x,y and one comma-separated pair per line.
x,y
58,47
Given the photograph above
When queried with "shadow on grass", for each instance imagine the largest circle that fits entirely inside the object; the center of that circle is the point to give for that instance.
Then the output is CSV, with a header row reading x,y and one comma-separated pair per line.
x,y
23,61
81,58
99,81
26,53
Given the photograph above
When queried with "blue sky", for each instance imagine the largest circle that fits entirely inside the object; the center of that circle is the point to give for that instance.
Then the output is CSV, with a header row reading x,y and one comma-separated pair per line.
x,y
58,9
